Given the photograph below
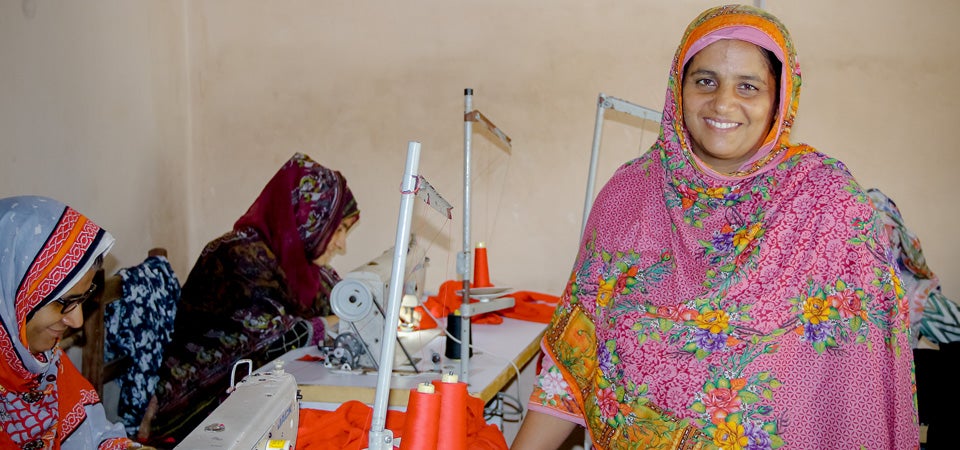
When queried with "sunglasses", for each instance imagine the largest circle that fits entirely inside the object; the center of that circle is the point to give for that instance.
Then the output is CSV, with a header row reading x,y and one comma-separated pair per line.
x,y
70,303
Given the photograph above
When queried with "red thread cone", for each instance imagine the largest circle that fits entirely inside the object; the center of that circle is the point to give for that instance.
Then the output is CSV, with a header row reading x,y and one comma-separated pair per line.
x,y
481,273
423,419
452,434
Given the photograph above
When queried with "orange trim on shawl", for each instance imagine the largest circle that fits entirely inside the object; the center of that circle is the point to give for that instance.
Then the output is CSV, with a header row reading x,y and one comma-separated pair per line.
x,y
38,275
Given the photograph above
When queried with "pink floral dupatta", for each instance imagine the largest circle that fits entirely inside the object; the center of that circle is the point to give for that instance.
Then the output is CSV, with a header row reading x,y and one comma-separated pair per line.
x,y
752,311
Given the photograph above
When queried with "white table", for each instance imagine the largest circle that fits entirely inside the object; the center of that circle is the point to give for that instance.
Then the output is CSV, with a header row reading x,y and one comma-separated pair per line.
x,y
490,369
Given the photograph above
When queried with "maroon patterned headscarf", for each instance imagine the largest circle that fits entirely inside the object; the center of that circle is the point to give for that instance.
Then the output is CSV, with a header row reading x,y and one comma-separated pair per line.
x,y
297,213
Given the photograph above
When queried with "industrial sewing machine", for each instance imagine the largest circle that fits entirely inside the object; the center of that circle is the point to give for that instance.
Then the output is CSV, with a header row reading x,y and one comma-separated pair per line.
x,y
261,413
359,300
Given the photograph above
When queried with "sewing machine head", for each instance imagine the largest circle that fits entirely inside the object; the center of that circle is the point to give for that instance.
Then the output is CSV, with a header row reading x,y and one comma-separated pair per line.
x,y
360,301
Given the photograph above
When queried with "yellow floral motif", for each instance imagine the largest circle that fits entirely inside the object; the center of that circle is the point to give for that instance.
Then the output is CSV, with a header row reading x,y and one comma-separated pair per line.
x,y
897,284
816,310
715,321
605,291
730,436
744,236
716,192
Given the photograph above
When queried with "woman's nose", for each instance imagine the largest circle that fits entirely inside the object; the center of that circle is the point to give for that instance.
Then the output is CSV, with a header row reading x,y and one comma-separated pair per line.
x,y
724,99
74,319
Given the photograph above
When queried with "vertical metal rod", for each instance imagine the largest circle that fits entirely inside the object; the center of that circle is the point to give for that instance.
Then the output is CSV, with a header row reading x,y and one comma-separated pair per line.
x,y
381,438
467,244
594,156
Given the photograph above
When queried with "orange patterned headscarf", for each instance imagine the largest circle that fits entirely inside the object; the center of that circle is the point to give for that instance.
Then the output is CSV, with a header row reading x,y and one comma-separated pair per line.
x,y
765,31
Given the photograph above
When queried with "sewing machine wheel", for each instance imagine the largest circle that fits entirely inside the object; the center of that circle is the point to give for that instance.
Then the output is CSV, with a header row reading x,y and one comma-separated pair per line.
x,y
351,300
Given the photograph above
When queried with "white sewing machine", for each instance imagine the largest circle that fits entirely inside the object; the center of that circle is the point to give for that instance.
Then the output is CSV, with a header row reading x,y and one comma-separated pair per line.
x,y
359,300
262,413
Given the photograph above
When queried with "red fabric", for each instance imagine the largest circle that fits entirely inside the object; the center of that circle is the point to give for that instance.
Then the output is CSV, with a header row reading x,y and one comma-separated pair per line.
x,y
348,427
529,306
532,306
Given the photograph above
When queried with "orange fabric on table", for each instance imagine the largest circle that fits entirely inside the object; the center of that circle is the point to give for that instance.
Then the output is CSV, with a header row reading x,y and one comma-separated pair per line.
x,y
448,301
346,428
532,306
349,427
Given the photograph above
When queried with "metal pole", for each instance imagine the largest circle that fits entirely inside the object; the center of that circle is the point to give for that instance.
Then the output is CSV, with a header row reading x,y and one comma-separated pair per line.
x,y
467,244
594,156
381,438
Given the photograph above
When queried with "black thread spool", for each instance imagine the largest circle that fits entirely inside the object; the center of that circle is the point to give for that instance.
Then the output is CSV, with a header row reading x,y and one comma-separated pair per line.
x,y
454,324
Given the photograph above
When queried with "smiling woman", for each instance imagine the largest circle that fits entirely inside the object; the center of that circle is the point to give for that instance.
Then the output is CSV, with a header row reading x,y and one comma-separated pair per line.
x,y
729,100
48,257
732,289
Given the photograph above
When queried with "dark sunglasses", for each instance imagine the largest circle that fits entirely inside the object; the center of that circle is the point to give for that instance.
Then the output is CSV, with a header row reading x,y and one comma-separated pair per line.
x,y
68,304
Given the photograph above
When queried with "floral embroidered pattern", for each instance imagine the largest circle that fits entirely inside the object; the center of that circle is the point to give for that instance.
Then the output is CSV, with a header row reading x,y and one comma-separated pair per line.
x,y
620,277
830,315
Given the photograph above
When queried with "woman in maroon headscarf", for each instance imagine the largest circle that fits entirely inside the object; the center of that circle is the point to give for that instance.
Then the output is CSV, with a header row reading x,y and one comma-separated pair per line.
x,y
255,292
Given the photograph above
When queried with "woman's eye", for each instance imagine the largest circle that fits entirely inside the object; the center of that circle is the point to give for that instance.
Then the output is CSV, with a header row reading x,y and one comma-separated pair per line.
x,y
704,82
748,87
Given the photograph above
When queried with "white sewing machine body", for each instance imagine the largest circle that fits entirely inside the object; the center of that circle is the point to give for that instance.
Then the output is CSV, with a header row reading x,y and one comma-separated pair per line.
x,y
262,413
360,301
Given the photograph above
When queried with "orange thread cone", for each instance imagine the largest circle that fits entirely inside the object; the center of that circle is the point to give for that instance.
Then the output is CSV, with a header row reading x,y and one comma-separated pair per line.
x,y
481,273
423,419
452,434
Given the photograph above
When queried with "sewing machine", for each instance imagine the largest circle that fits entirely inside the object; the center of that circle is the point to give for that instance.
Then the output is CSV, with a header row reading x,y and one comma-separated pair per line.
x,y
359,300
261,413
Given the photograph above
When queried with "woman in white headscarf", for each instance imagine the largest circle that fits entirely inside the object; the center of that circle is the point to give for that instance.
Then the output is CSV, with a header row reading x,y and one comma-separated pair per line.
x,y
49,254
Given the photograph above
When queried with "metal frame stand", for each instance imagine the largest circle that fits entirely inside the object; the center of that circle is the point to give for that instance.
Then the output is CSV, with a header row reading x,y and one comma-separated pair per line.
x,y
381,438
605,102
464,260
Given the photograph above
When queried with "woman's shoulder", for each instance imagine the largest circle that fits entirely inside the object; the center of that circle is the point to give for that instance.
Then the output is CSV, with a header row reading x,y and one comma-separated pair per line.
x,y
819,170
827,181
233,241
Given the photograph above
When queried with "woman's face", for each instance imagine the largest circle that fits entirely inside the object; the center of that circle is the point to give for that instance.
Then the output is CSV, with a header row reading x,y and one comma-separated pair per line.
x,y
729,94
337,244
48,324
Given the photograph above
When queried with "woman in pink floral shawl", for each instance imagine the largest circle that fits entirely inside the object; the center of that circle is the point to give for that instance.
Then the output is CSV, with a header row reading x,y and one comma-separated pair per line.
x,y
732,290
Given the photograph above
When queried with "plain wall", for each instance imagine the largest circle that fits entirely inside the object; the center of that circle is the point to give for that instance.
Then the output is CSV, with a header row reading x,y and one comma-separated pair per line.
x,y
162,120
93,106
350,83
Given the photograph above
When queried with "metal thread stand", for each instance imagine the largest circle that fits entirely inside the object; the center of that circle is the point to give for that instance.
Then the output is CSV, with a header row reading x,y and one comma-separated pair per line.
x,y
381,438
464,259
605,102
411,186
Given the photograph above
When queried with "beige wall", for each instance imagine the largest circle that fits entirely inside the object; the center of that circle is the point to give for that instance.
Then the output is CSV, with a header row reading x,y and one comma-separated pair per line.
x,y
92,102
350,83
163,120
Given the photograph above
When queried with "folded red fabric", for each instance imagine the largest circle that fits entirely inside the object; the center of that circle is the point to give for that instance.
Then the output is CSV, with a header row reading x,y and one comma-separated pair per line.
x,y
349,426
530,306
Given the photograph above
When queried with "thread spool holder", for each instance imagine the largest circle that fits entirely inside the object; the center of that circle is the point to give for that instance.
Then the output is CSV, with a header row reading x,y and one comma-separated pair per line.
x,y
464,259
380,437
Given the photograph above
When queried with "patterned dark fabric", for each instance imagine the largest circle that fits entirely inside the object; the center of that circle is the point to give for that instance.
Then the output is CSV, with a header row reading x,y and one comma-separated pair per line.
x,y
140,325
